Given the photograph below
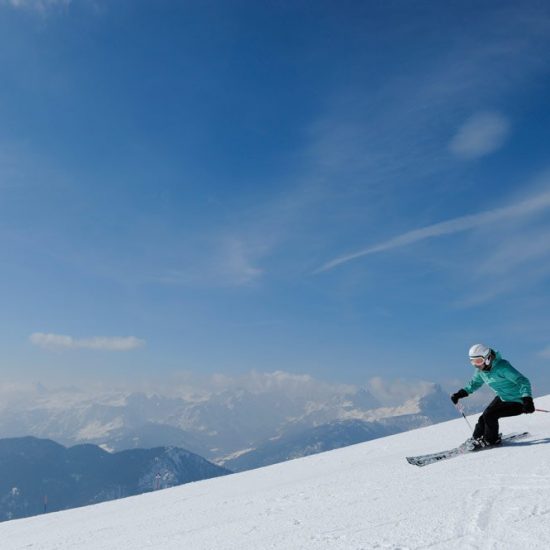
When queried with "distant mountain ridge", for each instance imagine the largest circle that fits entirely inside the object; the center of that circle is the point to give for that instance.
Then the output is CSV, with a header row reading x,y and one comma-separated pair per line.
x,y
38,475
341,433
215,424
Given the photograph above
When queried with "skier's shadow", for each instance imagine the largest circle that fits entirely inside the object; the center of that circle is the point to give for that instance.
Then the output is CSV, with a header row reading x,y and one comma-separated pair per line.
x,y
543,441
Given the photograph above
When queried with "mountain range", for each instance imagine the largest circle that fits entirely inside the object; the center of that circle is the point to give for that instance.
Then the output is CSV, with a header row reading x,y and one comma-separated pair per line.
x,y
276,412
39,475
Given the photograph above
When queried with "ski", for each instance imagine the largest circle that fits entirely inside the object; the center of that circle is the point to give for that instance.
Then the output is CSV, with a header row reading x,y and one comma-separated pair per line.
x,y
466,447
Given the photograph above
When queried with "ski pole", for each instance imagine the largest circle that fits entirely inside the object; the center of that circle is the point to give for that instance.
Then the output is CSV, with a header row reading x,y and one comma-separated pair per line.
x,y
542,411
460,409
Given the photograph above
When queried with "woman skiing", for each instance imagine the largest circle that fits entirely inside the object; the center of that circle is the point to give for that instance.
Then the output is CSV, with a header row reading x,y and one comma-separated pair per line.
x,y
512,388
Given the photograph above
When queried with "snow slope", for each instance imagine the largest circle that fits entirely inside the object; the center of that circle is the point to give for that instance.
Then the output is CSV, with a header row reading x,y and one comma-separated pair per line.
x,y
357,498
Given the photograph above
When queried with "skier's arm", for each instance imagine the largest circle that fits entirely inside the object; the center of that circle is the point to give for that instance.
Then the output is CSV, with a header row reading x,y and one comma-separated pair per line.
x,y
522,382
474,384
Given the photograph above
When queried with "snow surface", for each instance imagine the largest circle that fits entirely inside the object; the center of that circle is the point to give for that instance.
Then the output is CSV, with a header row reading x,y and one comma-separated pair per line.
x,y
357,498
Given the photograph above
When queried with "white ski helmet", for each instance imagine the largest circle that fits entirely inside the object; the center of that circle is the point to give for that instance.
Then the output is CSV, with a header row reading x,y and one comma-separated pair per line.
x,y
480,350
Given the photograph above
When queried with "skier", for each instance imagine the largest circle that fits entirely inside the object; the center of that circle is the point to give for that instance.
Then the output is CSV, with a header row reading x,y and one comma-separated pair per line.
x,y
512,388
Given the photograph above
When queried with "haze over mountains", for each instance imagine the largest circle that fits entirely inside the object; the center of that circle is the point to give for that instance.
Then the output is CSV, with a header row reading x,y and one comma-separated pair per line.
x,y
265,417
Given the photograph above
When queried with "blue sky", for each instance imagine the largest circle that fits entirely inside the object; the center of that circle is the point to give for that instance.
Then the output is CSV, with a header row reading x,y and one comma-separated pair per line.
x,y
347,190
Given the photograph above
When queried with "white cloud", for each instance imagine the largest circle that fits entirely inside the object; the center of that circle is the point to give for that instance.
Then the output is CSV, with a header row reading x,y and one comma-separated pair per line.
x,y
62,341
480,135
529,206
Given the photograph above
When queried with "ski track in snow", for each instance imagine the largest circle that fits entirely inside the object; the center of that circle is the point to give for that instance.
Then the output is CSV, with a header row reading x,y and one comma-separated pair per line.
x,y
364,497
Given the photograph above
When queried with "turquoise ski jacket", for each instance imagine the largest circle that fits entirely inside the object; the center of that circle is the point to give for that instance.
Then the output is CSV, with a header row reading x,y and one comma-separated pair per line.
x,y
508,383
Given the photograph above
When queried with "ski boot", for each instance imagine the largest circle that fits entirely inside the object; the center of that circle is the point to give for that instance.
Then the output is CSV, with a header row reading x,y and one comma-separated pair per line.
x,y
482,443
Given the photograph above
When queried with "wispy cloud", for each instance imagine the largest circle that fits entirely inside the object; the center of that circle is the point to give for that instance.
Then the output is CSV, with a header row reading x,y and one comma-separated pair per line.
x,y
480,135
512,258
367,150
464,223
35,5
61,342
229,261
517,251
396,392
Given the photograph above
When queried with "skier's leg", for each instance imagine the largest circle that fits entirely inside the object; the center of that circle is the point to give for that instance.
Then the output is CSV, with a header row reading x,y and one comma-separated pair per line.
x,y
480,428
495,411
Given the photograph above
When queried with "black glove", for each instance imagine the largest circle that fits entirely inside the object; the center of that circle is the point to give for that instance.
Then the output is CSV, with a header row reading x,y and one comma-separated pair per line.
x,y
528,405
459,395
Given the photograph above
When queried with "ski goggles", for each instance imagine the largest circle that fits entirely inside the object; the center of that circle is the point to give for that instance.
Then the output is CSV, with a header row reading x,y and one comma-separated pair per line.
x,y
477,361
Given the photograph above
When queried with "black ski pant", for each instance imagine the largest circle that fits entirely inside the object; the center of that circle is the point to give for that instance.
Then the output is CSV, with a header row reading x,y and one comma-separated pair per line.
x,y
487,425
